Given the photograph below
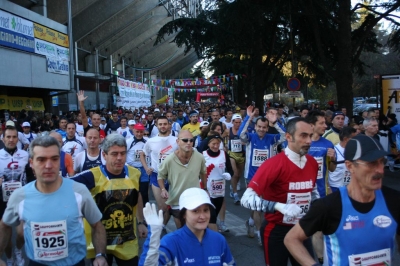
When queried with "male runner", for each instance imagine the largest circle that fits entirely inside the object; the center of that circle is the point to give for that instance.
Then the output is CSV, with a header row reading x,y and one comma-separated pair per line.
x,y
135,148
322,151
236,155
337,124
175,125
193,126
91,157
158,148
260,146
12,172
284,187
182,169
341,176
66,162
360,221
62,127
73,144
123,129
115,188
26,127
95,118
51,211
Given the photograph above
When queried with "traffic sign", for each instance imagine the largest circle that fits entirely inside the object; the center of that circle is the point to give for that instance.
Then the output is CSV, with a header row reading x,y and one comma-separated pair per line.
x,y
293,84
294,94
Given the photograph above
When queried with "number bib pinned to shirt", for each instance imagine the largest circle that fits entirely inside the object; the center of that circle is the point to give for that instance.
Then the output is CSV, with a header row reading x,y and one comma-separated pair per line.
x,y
49,240
379,257
137,155
217,188
302,200
259,157
8,187
347,178
236,145
320,162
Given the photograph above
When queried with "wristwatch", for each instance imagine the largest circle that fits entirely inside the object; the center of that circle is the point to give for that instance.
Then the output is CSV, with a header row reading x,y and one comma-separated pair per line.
x,y
144,223
101,255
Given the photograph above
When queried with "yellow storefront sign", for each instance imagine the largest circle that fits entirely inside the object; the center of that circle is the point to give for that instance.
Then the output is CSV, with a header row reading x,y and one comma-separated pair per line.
x,y
50,35
3,102
19,103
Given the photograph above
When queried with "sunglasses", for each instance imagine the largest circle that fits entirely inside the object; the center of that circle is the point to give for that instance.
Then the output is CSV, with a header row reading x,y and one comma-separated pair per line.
x,y
186,140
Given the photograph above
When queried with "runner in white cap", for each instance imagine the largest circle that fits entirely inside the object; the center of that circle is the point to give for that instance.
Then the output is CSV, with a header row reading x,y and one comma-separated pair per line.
x,y
26,127
194,243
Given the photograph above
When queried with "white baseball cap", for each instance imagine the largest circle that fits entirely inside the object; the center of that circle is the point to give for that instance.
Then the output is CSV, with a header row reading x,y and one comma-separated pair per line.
x,y
193,197
156,110
236,116
10,123
131,122
26,124
204,124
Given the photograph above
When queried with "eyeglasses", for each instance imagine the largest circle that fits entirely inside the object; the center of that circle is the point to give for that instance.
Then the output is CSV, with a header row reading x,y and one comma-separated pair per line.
x,y
186,140
373,164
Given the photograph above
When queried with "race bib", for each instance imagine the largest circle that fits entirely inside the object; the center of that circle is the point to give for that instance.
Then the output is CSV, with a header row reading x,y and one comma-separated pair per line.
x,y
137,155
236,145
320,162
347,177
259,157
217,188
379,257
161,157
302,200
49,240
8,188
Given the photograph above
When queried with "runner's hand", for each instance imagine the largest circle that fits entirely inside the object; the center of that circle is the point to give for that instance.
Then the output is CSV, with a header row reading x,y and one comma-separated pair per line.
x,y
291,210
226,176
81,96
250,111
331,154
164,194
150,215
149,171
99,261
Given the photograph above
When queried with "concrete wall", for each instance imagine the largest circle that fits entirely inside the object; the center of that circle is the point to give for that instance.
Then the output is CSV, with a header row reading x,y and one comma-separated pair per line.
x,y
20,69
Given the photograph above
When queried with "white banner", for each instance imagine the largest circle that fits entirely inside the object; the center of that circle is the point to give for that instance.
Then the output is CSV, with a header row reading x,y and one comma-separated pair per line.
x,y
132,94
57,65
51,49
16,24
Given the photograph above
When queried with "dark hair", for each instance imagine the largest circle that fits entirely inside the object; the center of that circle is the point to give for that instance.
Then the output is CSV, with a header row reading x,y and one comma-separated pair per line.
x,y
312,117
123,117
303,108
262,119
72,124
213,133
291,125
346,132
214,125
162,117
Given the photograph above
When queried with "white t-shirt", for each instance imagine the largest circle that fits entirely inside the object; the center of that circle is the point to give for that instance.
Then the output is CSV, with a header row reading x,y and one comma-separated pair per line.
x,y
121,130
228,124
74,146
158,148
79,129
341,176
30,136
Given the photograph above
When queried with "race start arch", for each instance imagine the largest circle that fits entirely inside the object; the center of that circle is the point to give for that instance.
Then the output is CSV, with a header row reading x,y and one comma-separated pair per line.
x,y
208,97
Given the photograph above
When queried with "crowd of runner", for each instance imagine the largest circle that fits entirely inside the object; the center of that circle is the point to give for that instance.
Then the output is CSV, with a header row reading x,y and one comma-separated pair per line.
x,y
313,185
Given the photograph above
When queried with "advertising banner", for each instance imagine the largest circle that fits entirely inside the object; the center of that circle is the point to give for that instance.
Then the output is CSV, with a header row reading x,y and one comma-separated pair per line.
x,y
132,94
3,102
57,65
45,48
50,35
391,94
19,103
16,32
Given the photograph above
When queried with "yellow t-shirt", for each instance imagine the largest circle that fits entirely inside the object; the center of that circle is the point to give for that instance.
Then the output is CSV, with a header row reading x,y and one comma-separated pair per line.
x,y
194,129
